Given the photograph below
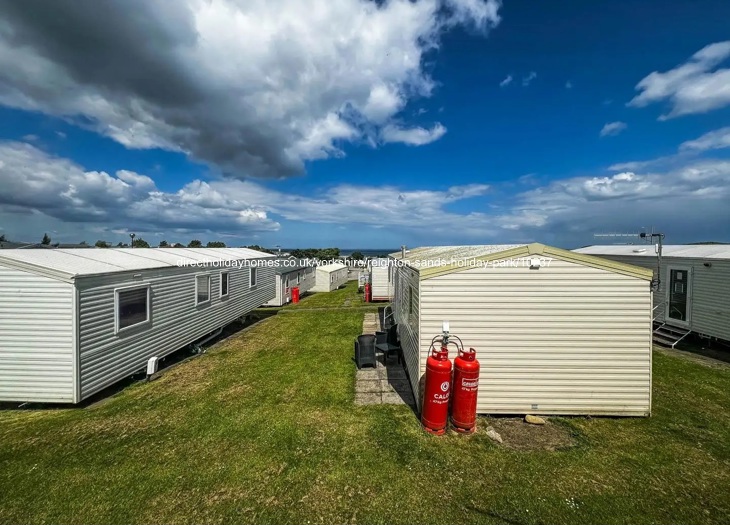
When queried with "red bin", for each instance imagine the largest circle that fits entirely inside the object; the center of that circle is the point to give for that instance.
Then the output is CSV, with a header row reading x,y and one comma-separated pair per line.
x,y
295,294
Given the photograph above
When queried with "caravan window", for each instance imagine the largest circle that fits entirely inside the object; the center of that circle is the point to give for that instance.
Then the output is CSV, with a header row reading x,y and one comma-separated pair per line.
x,y
224,284
132,307
202,289
252,277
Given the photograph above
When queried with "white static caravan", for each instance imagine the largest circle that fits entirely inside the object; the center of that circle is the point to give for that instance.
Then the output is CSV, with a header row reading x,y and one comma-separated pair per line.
x,y
694,289
381,280
555,332
290,273
330,277
73,322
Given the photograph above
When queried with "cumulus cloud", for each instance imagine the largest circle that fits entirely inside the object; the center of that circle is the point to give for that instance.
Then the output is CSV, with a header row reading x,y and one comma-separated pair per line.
x,y
254,87
571,210
612,129
527,79
412,136
693,87
506,82
33,180
718,139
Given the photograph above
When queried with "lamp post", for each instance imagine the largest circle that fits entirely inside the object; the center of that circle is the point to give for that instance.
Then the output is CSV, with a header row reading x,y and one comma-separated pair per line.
x,y
132,235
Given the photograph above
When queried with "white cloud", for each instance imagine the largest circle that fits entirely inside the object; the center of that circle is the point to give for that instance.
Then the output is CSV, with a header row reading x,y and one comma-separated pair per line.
x,y
527,80
412,136
693,87
34,181
718,139
254,88
506,82
612,129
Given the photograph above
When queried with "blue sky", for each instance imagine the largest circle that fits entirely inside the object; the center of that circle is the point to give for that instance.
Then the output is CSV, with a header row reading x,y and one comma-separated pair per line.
x,y
355,124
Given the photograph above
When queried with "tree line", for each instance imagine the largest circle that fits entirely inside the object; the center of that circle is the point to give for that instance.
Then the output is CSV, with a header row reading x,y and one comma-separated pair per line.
x,y
141,243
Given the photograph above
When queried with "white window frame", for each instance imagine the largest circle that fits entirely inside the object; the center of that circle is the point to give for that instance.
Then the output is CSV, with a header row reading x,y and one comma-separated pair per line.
x,y
146,322
228,285
252,277
207,301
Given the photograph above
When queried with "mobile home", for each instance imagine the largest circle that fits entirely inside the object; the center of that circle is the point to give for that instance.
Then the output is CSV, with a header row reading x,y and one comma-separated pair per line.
x,y
330,277
73,322
556,332
291,273
694,286
381,280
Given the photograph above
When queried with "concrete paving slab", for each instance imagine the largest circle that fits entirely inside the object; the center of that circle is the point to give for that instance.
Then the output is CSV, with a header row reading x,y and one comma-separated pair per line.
x,y
368,399
368,374
368,386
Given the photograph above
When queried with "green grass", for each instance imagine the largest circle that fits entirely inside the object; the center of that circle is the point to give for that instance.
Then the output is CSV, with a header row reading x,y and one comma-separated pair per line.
x,y
345,297
263,429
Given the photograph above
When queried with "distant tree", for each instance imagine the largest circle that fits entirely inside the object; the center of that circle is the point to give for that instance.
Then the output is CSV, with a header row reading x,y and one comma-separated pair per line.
x,y
2,238
316,253
122,245
83,243
258,248
140,243
195,243
358,256
46,240
102,244
215,244
178,245
163,244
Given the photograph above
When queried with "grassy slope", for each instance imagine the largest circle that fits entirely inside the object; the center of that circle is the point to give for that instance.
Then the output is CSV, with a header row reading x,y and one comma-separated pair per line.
x,y
263,429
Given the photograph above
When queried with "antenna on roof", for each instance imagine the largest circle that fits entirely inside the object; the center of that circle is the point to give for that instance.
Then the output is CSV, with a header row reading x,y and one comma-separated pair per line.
x,y
648,238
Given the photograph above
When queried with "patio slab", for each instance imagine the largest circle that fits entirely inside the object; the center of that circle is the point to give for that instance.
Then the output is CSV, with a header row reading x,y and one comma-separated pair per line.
x,y
387,383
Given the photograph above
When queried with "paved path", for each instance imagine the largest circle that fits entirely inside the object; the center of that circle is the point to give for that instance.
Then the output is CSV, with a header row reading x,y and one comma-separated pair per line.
x,y
387,383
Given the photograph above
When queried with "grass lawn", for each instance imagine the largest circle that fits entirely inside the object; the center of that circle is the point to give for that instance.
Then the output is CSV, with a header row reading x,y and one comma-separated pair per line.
x,y
263,429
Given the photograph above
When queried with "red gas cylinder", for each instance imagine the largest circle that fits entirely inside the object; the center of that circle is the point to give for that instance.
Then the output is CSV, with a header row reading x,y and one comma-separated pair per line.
x,y
295,294
368,293
464,397
435,410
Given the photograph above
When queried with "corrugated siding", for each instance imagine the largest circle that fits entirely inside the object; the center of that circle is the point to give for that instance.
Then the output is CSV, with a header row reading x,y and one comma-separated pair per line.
x,y
379,279
709,293
324,283
406,292
106,357
564,339
36,338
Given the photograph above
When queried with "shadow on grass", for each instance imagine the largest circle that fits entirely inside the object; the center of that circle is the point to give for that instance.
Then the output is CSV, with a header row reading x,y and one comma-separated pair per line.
x,y
165,364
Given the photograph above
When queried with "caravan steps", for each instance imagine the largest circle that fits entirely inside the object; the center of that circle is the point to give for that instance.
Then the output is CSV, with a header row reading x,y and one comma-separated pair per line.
x,y
667,335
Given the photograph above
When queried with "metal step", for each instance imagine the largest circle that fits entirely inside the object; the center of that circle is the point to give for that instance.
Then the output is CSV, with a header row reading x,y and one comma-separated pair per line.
x,y
673,329
669,335
664,342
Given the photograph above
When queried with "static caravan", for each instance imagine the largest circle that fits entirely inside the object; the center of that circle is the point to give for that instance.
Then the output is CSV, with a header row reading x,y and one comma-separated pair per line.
x,y
290,273
556,332
381,280
73,322
694,287
330,277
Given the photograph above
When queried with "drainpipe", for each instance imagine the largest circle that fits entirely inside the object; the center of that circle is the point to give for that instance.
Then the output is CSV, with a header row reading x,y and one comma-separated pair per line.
x,y
403,251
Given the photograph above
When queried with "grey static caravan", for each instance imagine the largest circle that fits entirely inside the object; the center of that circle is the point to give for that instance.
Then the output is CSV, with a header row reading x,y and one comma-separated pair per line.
x,y
290,273
381,280
556,332
694,290
330,277
73,322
